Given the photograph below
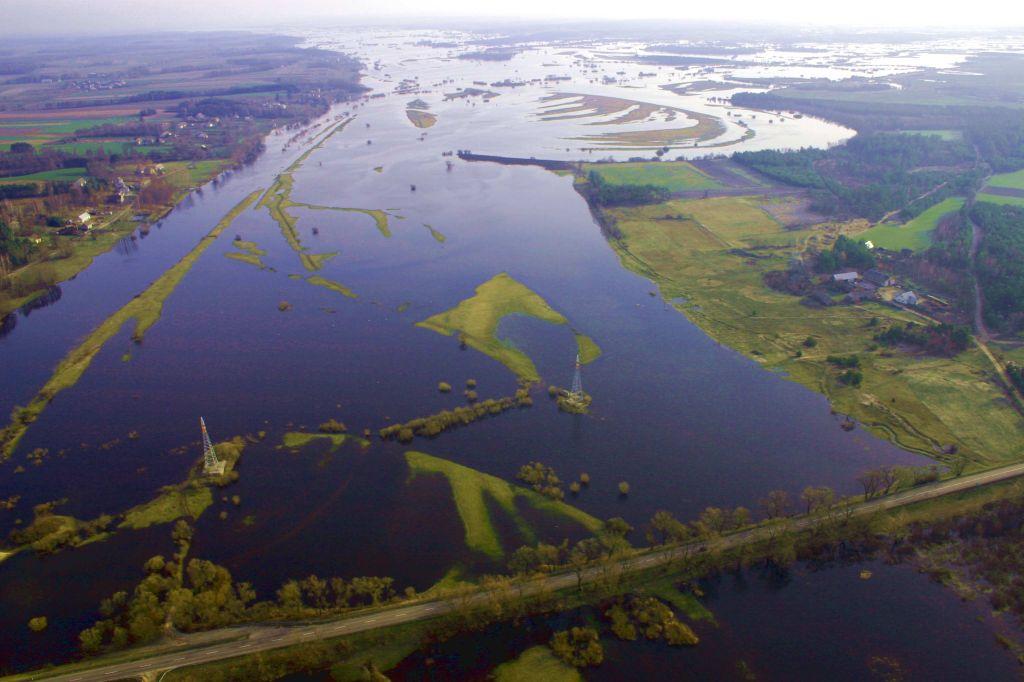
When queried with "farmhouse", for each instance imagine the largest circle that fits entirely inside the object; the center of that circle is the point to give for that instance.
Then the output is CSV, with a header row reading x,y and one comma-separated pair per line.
x,y
906,298
851,276
84,218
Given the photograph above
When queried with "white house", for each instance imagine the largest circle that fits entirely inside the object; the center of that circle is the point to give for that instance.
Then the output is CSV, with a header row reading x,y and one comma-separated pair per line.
x,y
906,298
84,218
851,276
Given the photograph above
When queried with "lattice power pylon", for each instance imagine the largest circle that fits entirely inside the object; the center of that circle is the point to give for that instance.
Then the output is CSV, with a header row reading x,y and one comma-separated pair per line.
x,y
211,465
577,380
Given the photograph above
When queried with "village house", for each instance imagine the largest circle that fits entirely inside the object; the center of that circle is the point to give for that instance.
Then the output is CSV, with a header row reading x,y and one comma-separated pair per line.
x,y
906,298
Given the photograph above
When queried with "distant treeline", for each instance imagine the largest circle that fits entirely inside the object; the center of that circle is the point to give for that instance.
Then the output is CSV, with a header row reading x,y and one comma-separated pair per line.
x,y
997,133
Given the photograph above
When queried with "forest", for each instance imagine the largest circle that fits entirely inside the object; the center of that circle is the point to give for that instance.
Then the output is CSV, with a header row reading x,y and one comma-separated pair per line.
x,y
1000,264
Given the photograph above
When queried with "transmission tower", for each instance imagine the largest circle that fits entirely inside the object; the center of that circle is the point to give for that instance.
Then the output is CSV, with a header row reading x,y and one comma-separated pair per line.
x,y
211,465
577,380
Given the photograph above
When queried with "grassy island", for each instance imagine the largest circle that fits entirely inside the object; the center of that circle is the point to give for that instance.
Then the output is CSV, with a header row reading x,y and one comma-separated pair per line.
x,y
476,320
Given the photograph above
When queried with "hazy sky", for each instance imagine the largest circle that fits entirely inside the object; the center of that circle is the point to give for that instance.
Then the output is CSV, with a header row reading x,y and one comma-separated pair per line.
x,y
120,16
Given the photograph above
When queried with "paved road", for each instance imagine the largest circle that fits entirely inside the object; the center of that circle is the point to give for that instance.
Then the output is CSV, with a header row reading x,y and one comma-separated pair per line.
x,y
240,641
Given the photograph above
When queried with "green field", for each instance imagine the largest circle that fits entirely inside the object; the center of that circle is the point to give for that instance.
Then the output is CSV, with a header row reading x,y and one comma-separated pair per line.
x,y
1011,180
915,235
947,135
536,663
675,176
59,175
1000,199
921,403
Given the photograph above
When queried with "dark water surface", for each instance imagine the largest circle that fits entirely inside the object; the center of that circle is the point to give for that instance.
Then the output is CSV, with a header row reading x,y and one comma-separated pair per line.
x,y
687,422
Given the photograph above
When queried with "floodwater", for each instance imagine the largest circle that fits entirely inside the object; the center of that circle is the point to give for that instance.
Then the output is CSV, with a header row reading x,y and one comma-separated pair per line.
x,y
687,422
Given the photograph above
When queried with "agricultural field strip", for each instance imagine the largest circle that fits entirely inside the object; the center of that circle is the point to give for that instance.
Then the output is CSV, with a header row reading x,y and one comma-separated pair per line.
x,y
266,637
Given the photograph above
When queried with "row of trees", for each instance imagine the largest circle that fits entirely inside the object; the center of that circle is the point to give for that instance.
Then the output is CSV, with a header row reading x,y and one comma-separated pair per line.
x,y
940,339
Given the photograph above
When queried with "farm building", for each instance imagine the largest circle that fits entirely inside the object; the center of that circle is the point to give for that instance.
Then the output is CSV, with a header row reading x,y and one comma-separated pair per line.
x,y
906,298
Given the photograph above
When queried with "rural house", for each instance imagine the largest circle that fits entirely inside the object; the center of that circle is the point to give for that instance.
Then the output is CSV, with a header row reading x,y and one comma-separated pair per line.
x,y
906,298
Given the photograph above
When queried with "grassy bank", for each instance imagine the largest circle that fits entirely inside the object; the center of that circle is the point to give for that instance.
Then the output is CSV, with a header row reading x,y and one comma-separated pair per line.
x,y
145,309
923,403
476,321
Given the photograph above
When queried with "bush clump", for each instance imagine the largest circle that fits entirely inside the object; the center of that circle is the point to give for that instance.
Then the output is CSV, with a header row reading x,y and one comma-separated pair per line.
x,y
333,426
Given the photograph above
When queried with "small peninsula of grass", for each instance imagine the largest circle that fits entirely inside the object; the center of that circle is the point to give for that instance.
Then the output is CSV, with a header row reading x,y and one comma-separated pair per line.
x,y
145,309
188,501
476,320
421,119
470,490
296,440
536,663
248,252
317,280
440,238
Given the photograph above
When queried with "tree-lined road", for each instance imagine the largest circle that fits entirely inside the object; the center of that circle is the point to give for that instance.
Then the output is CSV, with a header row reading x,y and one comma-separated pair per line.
x,y
250,639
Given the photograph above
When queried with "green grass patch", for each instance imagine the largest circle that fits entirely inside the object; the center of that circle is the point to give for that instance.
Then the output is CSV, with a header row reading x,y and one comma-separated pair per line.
x,y
915,235
59,175
174,503
588,349
438,237
1000,199
947,135
1013,180
675,176
470,488
476,320
536,663
145,309
296,440
250,253
317,280
421,119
